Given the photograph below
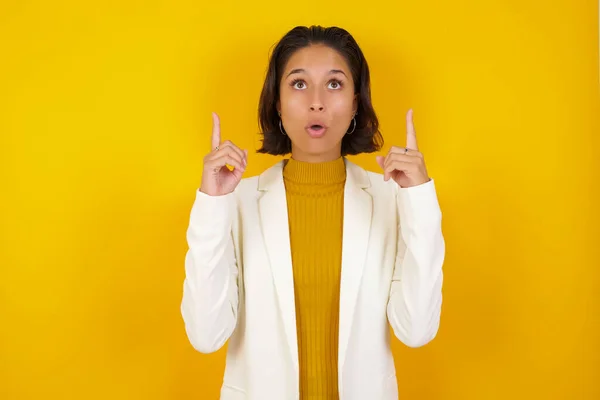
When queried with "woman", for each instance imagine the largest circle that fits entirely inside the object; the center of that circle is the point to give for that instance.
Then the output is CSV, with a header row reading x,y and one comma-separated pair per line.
x,y
302,267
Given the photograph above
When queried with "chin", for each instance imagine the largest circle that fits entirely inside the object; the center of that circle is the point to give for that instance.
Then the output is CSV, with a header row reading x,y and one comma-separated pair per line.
x,y
316,149
315,146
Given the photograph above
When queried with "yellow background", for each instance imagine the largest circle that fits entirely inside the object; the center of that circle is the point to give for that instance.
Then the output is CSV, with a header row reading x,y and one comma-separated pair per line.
x,y
104,120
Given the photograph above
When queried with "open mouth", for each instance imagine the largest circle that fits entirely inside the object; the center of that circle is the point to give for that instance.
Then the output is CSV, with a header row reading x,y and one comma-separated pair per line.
x,y
316,130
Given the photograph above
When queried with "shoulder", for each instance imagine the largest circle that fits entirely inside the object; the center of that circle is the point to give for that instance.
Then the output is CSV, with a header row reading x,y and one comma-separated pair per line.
x,y
371,181
248,184
255,183
380,185
421,202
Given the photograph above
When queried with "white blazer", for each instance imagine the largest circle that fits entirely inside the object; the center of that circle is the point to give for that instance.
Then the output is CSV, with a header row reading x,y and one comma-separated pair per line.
x,y
239,283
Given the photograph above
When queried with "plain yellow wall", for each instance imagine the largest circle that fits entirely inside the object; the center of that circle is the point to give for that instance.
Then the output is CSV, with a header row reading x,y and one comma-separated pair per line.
x,y
104,120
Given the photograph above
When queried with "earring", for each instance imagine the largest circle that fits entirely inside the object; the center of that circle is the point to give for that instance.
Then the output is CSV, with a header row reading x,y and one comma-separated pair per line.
x,y
281,128
353,126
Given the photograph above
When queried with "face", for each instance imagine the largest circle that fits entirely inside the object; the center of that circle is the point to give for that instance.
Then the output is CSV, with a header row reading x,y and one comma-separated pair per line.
x,y
317,103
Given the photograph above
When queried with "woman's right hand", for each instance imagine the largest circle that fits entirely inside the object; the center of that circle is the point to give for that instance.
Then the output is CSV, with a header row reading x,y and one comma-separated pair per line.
x,y
217,179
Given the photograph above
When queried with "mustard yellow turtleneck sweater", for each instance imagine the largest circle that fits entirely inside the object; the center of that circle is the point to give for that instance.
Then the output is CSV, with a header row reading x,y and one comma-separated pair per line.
x,y
315,198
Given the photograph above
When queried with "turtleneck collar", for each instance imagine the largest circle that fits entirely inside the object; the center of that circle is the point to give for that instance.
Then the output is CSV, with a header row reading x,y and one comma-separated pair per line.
x,y
326,172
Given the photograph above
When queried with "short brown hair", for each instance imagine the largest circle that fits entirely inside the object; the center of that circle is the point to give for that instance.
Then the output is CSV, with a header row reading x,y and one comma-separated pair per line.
x,y
366,137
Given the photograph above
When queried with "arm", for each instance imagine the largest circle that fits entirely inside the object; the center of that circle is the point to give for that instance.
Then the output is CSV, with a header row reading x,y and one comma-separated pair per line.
x,y
210,291
415,300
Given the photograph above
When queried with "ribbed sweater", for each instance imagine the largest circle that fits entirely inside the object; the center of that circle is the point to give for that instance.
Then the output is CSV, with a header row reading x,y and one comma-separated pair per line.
x,y
315,199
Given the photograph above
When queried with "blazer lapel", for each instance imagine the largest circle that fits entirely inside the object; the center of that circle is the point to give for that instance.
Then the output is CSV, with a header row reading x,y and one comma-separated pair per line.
x,y
356,230
273,213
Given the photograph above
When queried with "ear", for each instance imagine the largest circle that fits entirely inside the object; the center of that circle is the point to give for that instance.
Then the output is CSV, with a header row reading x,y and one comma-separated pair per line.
x,y
278,107
355,104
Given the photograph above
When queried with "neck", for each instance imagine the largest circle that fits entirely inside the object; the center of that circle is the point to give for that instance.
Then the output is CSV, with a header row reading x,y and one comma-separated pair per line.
x,y
324,173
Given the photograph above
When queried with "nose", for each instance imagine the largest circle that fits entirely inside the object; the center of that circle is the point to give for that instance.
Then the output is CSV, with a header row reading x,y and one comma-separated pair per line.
x,y
317,101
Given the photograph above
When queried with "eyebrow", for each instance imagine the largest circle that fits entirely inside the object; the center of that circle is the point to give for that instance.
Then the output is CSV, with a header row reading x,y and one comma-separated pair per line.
x,y
301,70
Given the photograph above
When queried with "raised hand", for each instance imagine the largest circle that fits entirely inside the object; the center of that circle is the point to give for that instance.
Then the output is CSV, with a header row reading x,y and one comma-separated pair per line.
x,y
217,179
405,165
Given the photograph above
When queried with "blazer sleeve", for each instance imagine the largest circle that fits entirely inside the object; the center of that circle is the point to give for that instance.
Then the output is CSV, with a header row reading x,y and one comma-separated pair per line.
x,y
415,299
209,305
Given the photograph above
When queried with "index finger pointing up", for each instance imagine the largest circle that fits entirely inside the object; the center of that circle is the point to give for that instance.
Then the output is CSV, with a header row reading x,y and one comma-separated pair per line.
x,y
216,131
411,135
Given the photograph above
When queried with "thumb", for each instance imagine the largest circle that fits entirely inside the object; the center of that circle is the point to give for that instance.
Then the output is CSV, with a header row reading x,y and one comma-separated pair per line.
x,y
380,160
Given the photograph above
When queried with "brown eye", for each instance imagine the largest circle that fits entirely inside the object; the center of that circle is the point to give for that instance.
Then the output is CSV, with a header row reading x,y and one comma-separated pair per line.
x,y
335,85
298,84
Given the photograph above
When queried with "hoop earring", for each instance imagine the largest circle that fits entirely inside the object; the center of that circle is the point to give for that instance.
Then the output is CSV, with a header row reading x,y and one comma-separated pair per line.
x,y
281,128
353,126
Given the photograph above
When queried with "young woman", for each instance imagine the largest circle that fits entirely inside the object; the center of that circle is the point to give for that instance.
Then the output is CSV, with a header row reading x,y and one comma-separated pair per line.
x,y
302,268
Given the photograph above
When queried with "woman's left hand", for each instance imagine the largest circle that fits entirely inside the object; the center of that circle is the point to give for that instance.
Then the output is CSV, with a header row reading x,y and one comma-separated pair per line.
x,y
405,165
